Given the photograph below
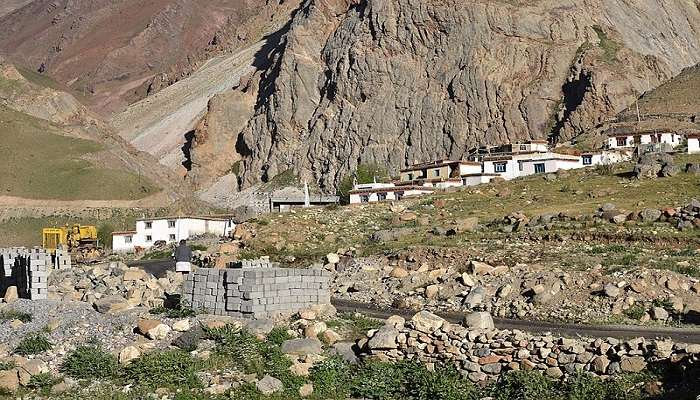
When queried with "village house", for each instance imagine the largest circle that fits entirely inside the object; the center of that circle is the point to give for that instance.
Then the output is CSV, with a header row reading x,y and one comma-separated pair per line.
x,y
374,192
169,230
693,143
649,132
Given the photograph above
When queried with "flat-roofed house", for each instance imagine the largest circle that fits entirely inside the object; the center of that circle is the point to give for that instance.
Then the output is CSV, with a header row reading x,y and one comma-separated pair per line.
x,y
440,174
375,192
650,132
693,142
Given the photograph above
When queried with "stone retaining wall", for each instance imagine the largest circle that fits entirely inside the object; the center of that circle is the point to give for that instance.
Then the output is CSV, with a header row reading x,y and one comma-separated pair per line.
x,y
257,292
482,354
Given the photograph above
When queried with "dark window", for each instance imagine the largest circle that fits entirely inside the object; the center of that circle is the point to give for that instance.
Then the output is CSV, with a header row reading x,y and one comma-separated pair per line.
x,y
499,167
399,196
587,160
128,239
149,238
437,172
149,225
520,166
539,168
171,224
381,196
622,141
523,147
364,198
172,237
410,177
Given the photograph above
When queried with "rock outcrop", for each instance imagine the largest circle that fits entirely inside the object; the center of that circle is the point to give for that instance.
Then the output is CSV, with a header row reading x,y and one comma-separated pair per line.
x,y
393,82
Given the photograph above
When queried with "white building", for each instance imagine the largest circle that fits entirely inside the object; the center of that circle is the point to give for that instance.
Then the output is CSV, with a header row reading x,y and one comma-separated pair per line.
x,y
625,138
169,230
523,164
693,143
374,192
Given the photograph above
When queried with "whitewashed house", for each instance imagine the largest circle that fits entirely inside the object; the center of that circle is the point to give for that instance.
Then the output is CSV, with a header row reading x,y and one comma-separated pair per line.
x,y
441,174
169,230
374,192
693,143
650,132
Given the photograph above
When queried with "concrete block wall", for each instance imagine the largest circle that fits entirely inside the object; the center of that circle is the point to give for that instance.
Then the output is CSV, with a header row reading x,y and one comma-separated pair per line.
x,y
257,292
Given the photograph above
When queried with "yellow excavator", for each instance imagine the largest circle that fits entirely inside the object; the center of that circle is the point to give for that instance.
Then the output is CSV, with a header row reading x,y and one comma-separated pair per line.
x,y
80,240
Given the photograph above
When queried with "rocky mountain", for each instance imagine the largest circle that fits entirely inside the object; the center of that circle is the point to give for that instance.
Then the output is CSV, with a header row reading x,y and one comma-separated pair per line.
x,y
9,6
116,52
393,82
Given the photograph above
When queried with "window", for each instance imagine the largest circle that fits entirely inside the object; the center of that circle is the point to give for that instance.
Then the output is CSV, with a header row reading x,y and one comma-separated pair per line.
x,y
172,237
128,239
381,196
399,196
410,177
364,198
499,167
149,225
171,224
587,160
622,141
539,168
437,173
520,165
149,238
523,147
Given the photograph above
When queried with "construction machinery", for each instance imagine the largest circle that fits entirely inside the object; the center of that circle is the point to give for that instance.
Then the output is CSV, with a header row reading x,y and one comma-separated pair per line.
x,y
81,240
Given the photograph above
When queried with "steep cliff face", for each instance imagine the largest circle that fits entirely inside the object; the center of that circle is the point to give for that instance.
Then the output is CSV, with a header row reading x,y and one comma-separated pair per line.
x,y
398,81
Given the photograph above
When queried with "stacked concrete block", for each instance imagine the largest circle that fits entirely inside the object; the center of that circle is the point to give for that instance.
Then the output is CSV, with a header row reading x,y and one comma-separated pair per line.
x,y
62,260
38,274
29,270
260,263
256,292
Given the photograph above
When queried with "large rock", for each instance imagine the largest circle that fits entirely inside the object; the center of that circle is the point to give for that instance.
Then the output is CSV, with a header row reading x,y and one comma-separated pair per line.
x,y
633,364
11,294
153,329
427,322
479,320
480,268
111,304
9,380
269,385
611,290
650,215
384,339
346,350
128,354
302,347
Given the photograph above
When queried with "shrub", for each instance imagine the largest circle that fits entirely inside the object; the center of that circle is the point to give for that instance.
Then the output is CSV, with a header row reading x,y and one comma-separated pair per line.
x,y
6,366
175,312
583,386
86,362
331,379
378,380
278,335
9,315
635,312
444,383
43,382
605,169
173,368
240,346
524,385
33,344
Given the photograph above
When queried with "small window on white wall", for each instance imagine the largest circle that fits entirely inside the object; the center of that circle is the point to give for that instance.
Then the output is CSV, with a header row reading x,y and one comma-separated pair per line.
x,y
171,224
149,238
172,237
149,225
128,239
499,167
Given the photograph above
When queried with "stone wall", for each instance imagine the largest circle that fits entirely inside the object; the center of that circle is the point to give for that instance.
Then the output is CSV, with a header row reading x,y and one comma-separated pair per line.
x,y
482,352
257,291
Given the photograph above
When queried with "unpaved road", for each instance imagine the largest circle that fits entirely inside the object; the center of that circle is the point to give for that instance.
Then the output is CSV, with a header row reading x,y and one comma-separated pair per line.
x,y
684,335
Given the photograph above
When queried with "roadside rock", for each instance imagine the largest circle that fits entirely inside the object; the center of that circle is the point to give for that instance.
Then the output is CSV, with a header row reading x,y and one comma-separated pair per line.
x,y
269,385
302,347
479,320
112,304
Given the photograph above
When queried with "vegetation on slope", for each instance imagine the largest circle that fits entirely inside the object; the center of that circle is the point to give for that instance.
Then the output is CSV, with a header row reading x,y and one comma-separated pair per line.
x,y
42,164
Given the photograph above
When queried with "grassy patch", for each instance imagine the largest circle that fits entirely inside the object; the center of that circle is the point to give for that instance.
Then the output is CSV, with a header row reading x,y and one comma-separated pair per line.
x,y
90,362
9,315
33,344
354,325
43,161
171,369
609,46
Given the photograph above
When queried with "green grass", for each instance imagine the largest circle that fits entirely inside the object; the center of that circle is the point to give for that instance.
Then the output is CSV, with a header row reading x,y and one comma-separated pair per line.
x,y
42,164
9,315
35,343
90,362
353,325
609,46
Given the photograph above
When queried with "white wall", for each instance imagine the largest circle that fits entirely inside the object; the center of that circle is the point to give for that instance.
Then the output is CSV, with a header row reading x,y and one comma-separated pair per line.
x,y
160,229
693,145
119,244
356,198
476,179
448,184
468,169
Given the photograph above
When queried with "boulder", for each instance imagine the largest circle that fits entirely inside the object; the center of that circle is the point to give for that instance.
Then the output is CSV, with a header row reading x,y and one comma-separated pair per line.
x,y
153,329
480,268
302,347
111,304
11,294
260,326
611,290
330,336
395,321
134,274
633,364
269,385
182,326
467,280
479,320
346,350
398,273
9,380
306,390
384,339
427,322
29,369
469,224
432,291
659,313
129,353
332,258
475,297
650,215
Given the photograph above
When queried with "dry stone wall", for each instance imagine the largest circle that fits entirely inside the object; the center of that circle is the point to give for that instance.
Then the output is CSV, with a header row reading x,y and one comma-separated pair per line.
x,y
482,353
256,290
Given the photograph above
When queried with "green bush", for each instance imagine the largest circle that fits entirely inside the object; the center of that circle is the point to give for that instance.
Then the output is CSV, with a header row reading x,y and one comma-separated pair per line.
x,y
90,362
278,335
636,312
378,380
443,383
241,347
583,386
173,368
6,366
43,382
9,315
33,344
175,312
524,385
331,379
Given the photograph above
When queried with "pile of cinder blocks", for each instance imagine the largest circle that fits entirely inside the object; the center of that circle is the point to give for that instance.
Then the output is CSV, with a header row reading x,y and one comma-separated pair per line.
x,y
29,270
256,292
